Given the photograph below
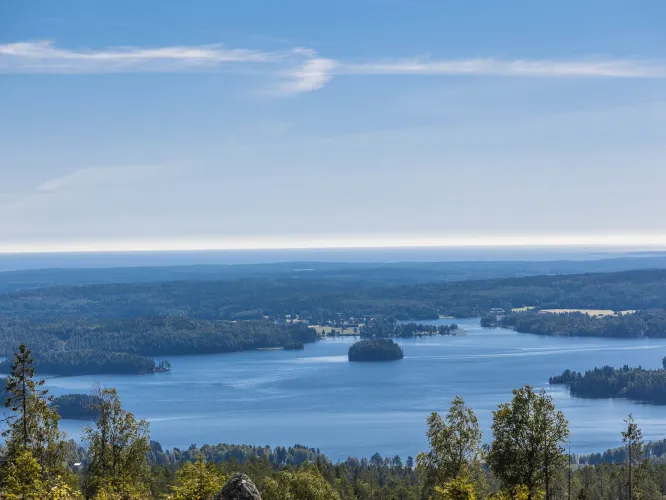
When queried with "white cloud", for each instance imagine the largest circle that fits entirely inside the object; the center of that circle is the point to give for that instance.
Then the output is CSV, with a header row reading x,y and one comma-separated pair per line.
x,y
504,67
45,57
312,75
297,70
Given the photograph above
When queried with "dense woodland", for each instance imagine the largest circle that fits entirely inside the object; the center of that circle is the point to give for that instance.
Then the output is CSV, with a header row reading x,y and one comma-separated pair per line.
x,y
647,323
91,362
53,274
387,327
156,336
639,384
77,406
319,301
375,350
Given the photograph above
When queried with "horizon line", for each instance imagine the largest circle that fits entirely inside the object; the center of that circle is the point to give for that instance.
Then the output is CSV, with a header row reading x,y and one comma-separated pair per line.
x,y
199,245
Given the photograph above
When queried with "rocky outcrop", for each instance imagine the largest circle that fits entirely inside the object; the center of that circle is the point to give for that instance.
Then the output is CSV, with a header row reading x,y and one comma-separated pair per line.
x,y
239,487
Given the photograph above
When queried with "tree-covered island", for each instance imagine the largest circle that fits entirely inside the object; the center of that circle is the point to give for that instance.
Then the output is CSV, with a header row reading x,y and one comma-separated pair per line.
x,y
375,350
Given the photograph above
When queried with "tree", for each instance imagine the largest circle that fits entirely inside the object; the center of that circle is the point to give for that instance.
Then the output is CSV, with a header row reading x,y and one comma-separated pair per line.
x,y
197,481
32,425
304,484
454,447
23,477
118,447
528,434
633,438
460,488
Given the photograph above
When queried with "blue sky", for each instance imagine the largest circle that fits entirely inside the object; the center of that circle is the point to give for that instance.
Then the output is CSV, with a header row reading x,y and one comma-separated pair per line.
x,y
369,122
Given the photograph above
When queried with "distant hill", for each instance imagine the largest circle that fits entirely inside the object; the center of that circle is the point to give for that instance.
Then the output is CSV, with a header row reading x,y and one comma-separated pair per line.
x,y
318,300
375,274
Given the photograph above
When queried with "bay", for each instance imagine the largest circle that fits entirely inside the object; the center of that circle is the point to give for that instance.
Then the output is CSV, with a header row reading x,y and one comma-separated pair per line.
x,y
317,398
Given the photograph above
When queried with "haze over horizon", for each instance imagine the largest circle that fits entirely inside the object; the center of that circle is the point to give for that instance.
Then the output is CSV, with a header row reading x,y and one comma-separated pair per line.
x,y
351,124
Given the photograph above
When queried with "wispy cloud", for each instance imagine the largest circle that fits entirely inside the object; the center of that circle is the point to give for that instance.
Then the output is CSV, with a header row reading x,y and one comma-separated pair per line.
x,y
620,68
298,70
45,57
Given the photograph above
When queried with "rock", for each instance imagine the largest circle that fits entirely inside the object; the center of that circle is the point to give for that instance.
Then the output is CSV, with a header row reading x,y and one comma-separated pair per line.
x,y
239,487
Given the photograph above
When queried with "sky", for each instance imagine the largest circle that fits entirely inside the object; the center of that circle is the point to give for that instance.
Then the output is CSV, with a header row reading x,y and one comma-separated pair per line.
x,y
131,125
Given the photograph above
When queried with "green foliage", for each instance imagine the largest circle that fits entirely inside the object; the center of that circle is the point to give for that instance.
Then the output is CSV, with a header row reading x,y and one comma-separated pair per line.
x,y
458,488
126,342
645,323
197,481
327,299
639,384
32,425
375,350
455,451
22,476
528,434
632,437
304,484
387,327
118,447
77,406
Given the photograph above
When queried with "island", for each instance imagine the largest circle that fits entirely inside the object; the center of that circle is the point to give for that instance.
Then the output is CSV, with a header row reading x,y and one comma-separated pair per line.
x,y
375,350
637,384
77,406
91,362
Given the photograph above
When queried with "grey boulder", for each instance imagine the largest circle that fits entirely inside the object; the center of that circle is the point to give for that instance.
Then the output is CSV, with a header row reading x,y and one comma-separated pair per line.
x,y
239,487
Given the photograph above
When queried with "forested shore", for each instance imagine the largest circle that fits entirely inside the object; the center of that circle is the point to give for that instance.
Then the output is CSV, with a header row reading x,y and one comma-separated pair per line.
x,y
637,384
318,301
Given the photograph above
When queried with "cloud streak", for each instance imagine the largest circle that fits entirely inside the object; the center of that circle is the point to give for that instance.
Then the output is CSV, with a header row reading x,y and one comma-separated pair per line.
x,y
298,70
499,67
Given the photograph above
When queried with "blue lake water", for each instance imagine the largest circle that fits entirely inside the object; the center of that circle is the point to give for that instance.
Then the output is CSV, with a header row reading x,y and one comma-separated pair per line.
x,y
317,398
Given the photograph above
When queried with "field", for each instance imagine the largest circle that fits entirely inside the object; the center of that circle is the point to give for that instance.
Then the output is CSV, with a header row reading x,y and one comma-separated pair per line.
x,y
590,312
522,309
325,330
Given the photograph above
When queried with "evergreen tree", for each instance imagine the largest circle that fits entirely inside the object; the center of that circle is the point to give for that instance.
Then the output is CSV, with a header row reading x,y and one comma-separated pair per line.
x,y
32,424
633,438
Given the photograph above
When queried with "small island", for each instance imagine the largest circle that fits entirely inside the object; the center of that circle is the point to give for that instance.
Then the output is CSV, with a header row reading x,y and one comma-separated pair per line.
x,y
77,406
375,350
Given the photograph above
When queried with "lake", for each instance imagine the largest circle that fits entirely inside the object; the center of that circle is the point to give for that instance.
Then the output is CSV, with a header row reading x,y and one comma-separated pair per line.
x,y
316,398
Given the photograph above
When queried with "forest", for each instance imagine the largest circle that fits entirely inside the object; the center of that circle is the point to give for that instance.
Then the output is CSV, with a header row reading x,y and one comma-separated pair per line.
x,y
91,362
360,274
638,384
387,327
318,301
646,323
375,350
77,406
155,336
525,458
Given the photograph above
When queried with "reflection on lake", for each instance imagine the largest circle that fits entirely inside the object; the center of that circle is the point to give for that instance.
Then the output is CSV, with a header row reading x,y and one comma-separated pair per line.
x,y
316,398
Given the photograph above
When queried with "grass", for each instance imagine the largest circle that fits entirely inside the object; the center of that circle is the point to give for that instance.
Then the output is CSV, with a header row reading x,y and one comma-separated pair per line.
x,y
522,309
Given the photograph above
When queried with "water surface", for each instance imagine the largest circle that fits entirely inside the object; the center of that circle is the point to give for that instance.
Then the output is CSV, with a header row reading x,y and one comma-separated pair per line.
x,y
315,397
